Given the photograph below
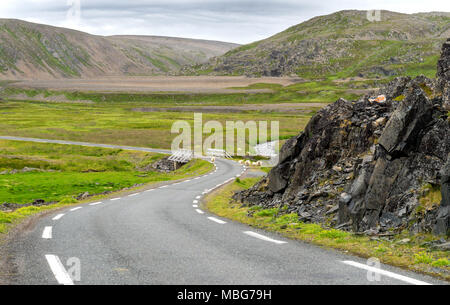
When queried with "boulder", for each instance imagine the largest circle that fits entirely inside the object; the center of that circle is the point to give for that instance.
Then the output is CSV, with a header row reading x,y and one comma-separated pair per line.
x,y
410,117
442,225
443,75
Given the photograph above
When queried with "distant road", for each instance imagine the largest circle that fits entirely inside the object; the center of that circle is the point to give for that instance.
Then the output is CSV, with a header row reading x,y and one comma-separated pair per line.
x,y
162,151
163,236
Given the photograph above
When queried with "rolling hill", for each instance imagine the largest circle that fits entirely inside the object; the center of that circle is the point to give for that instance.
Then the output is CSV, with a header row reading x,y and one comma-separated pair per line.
x,y
342,44
29,50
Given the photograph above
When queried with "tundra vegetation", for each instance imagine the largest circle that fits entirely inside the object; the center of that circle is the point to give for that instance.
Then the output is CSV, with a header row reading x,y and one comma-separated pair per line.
x,y
42,176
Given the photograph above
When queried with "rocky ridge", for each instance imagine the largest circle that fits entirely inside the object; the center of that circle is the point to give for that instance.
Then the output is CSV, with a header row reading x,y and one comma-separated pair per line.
x,y
337,44
370,166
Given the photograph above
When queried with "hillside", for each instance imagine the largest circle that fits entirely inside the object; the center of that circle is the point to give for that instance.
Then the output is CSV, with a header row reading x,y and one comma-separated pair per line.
x,y
342,44
29,50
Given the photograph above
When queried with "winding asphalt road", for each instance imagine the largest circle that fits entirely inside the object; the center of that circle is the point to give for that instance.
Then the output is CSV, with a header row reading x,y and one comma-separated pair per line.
x,y
162,236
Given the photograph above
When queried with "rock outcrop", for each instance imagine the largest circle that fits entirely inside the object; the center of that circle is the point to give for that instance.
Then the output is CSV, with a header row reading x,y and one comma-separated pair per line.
x,y
368,166
165,165
443,74
442,226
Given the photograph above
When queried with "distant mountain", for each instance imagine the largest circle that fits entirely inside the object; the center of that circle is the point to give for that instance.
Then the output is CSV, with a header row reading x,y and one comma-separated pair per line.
x,y
29,50
341,44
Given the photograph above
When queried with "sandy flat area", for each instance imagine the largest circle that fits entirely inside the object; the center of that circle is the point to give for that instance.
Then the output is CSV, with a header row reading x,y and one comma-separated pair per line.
x,y
193,84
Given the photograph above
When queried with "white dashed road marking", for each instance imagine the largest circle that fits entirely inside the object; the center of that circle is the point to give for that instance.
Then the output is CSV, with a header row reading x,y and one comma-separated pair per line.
x,y
59,216
132,195
58,270
199,211
262,237
95,203
114,199
198,197
386,273
195,201
47,233
217,220
195,206
74,209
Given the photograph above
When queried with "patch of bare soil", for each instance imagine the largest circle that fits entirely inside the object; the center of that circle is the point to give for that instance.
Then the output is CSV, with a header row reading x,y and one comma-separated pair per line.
x,y
52,98
193,84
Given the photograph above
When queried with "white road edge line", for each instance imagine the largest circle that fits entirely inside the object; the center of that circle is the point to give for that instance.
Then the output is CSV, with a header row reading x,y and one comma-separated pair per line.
x,y
386,273
95,203
164,186
47,233
74,209
217,220
58,217
58,270
132,195
199,211
262,237
149,190
114,199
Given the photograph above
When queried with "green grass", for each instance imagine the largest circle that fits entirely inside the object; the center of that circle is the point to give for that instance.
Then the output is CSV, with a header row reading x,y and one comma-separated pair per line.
x,y
412,255
110,117
117,123
77,169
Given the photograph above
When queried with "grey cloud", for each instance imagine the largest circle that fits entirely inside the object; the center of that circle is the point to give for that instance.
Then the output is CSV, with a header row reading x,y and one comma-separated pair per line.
x,y
228,20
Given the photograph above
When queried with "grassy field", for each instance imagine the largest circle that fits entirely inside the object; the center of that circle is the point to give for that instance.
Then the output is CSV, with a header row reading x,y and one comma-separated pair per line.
x,y
112,117
117,123
64,171
411,255
60,173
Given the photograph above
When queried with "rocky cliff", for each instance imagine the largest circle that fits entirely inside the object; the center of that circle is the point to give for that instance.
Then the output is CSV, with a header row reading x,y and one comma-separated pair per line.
x,y
370,166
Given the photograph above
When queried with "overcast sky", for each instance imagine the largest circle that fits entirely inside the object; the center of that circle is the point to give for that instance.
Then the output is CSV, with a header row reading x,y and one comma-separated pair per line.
x,y
240,21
